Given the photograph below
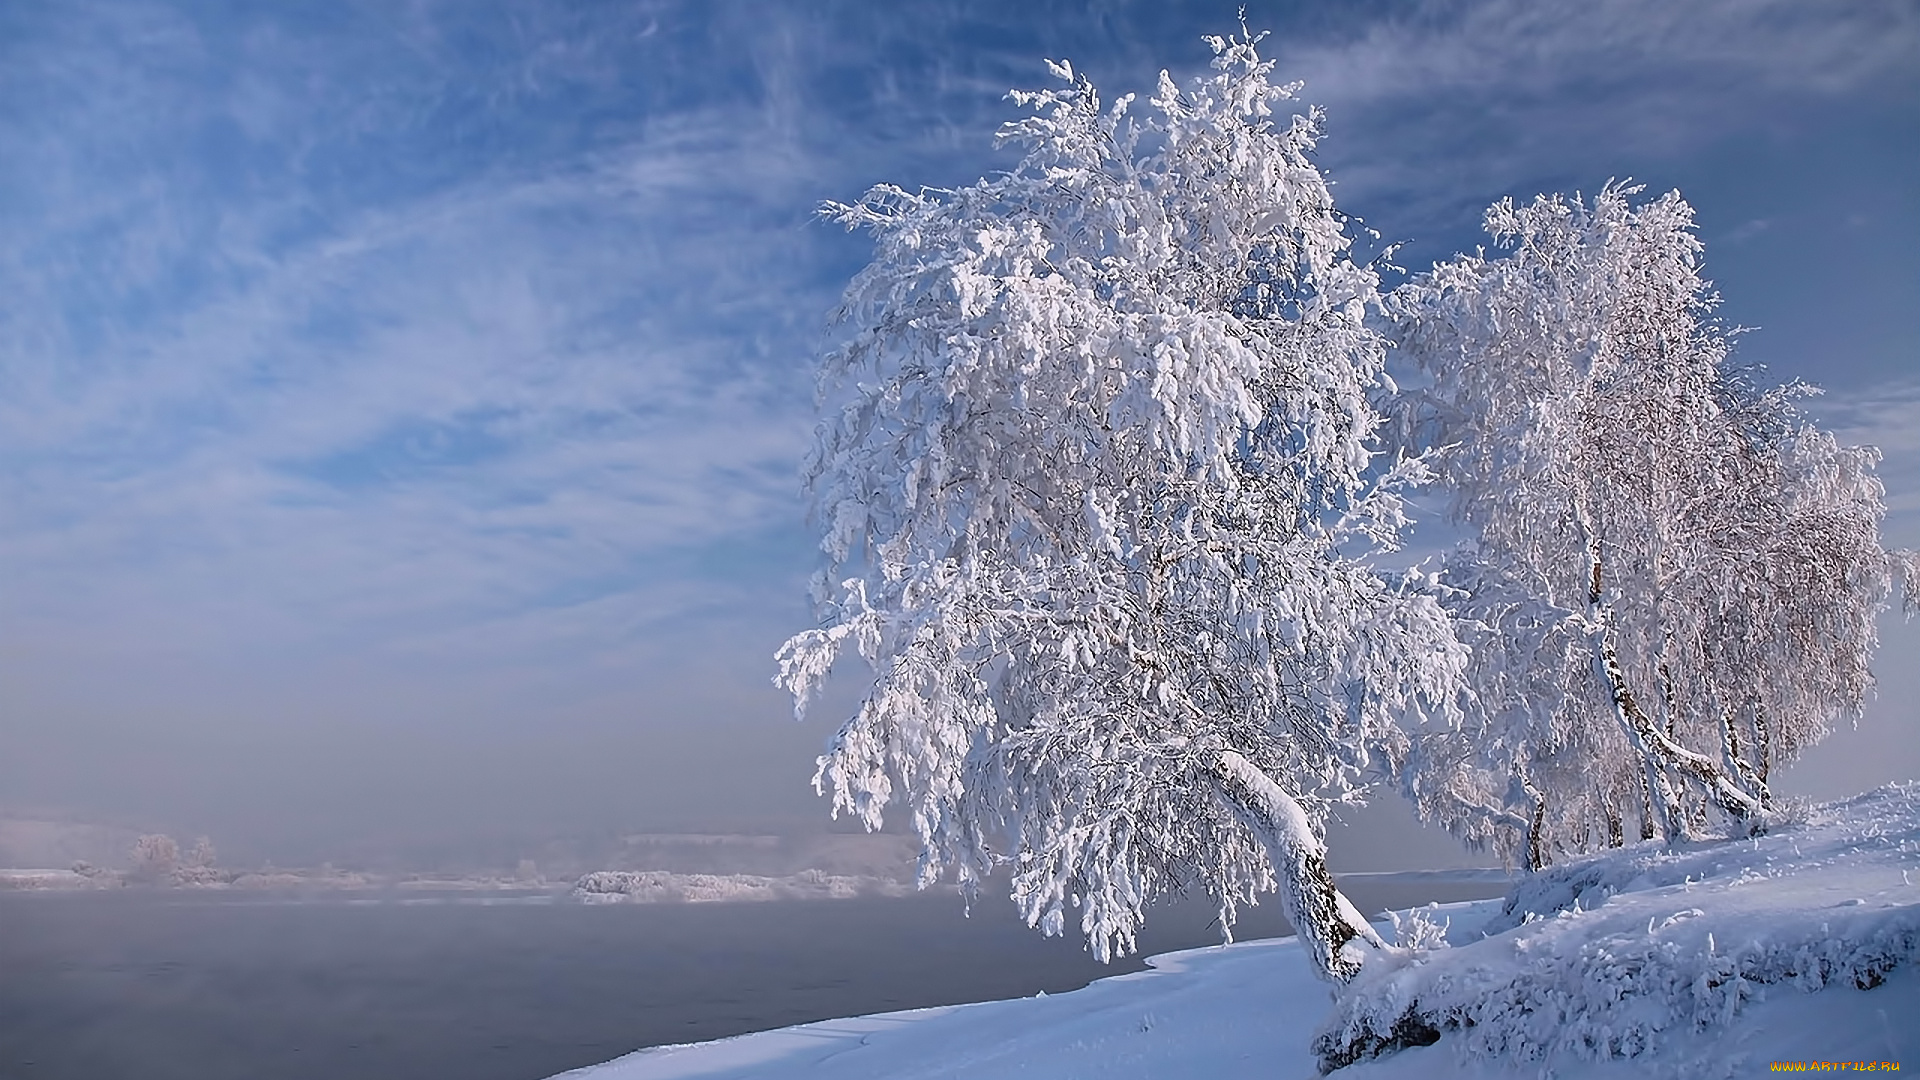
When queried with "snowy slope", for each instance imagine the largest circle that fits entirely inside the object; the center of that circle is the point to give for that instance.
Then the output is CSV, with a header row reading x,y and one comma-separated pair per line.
x,y
1715,960
1648,952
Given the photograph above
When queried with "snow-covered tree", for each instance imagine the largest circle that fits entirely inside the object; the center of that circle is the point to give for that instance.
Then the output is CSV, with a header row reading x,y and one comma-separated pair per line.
x,y
1098,483
155,855
1673,574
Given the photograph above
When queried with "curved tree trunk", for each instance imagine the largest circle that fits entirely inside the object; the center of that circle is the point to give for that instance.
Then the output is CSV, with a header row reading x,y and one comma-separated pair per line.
x,y
1333,932
1658,751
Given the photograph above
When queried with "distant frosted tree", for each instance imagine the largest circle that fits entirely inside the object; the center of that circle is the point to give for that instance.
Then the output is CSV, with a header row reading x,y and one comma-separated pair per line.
x,y
202,855
1674,576
155,855
1098,485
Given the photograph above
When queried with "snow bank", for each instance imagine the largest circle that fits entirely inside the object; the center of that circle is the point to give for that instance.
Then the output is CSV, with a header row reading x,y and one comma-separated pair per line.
x,y
1188,1017
1697,963
1614,955
46,880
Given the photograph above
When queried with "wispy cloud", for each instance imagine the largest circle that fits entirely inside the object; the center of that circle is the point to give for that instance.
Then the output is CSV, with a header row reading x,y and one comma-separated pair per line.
x,y
1887,417
469,313
448,404
474,338
1442,105
440,320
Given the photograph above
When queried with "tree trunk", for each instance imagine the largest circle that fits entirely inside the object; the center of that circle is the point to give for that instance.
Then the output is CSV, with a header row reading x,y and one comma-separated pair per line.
x,y
1671,700
1646,810
1734,762
1660,796
1667,815
1658,751
1334,934
1536,827
1661,753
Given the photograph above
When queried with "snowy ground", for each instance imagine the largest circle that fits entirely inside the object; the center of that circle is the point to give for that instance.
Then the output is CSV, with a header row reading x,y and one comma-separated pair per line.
x,y
1717,960
46,880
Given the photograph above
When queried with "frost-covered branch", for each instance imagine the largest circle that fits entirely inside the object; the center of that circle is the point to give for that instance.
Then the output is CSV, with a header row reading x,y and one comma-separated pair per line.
x,y
1676,573
1098,493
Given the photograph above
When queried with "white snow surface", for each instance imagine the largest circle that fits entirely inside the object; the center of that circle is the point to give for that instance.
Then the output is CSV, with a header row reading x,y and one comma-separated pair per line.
x,y
1715,959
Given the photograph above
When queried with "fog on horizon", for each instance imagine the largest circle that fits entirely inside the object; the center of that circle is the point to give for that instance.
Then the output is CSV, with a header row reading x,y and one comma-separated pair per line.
x,y
401,409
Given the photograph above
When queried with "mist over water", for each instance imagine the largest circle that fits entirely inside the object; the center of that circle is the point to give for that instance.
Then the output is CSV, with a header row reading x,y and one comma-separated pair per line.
x,y
513,986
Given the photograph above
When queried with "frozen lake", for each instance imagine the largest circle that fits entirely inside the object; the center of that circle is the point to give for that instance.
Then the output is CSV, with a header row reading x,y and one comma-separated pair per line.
x,y
211,986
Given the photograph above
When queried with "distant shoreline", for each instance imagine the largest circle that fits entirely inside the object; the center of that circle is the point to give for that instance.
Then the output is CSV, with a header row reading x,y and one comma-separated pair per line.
x,y
599,887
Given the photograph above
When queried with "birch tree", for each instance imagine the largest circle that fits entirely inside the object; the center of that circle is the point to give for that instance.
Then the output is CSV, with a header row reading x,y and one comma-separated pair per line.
x,y
1673,575
1098,486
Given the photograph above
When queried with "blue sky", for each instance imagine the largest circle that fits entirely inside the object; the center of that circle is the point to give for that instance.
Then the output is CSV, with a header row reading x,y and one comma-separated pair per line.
x,y
400,403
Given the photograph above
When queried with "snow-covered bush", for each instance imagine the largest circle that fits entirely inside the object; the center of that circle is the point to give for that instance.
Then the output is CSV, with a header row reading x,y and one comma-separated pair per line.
x,y
1415,931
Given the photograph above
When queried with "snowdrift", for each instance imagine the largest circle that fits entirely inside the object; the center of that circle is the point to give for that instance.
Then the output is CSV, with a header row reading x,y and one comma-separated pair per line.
x,y
1714,960
1613,955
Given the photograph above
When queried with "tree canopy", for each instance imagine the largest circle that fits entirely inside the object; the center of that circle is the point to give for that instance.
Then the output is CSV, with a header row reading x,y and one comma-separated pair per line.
x,y
1098,488
1672,576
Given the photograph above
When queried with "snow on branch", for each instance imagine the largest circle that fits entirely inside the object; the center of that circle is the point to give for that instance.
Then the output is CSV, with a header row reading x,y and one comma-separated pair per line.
x,y
1098,479
1671,577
